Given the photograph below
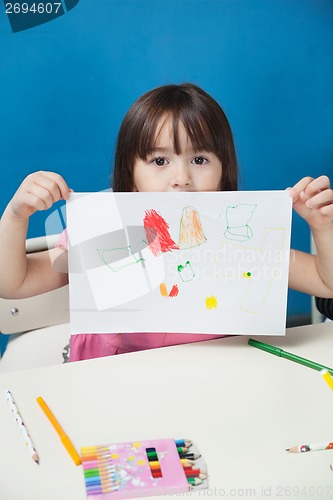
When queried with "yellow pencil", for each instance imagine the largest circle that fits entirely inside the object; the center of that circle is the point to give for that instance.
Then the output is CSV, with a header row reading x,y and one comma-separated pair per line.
x,y
63,436
327,377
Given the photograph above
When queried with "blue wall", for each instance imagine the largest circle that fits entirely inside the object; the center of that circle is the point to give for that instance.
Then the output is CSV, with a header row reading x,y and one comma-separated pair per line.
x,y
66,85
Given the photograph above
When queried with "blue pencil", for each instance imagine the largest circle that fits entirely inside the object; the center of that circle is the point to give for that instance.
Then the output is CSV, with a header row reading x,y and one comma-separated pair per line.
x,y
183,442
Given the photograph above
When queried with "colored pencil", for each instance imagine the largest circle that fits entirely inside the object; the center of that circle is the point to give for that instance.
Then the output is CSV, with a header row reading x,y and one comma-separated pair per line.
x,y
98,456
21,425
96,463
102,473
101,488
186,461
183,442
95,490
63,436
195,473
194,481
102,476
154,465
310,447
97,466
327,377
91,458
190,456
182,449
99,480
95,449
91,453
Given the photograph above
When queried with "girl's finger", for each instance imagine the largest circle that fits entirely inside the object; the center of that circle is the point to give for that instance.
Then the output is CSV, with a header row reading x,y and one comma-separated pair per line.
x,y
47,184
318,184
296,191
33,201
42,194
321,198
60,181
38,179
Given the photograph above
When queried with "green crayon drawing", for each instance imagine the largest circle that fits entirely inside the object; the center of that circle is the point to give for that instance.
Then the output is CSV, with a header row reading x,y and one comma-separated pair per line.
x,y
186,272
110,258
238,218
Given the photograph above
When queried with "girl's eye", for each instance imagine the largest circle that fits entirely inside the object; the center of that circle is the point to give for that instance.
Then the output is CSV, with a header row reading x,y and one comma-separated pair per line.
x,y
160,161
199,160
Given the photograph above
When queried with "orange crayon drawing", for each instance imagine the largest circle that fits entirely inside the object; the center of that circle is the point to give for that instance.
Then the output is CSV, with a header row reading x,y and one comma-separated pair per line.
x,y
173,292
191,233
163,290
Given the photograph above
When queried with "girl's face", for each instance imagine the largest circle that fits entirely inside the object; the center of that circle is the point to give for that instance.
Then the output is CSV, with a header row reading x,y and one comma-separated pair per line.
x,y
164,170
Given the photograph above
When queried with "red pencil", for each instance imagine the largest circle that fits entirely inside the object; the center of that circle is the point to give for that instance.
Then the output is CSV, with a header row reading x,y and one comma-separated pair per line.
x,y
156,473
195,473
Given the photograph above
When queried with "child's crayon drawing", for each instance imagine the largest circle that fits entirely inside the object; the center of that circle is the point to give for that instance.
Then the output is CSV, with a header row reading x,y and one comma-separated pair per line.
x,y
164,291
157,231
226,275
257,290
106,255
191,233
238,218
185,271
211,302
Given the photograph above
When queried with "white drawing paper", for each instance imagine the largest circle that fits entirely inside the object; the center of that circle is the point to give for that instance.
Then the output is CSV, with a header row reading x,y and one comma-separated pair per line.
x,y
213,262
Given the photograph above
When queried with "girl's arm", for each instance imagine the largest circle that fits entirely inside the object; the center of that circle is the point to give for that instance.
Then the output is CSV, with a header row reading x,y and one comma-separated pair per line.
x,y
27,275
313,274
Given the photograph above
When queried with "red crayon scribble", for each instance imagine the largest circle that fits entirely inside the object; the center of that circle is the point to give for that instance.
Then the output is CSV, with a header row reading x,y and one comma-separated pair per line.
x,y
174,291
157,232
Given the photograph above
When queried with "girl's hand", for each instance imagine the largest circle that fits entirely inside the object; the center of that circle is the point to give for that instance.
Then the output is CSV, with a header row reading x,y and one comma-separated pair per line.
x,y
38,191
313,200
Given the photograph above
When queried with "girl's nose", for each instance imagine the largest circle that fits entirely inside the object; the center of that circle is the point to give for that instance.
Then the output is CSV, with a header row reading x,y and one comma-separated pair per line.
x,y
181,177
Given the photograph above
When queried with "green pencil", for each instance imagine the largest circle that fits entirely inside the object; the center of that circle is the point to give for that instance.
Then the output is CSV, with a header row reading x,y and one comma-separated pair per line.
x,y
292,357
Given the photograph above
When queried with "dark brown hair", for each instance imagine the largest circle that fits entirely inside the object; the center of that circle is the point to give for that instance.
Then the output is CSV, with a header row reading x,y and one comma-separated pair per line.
x,y
204,120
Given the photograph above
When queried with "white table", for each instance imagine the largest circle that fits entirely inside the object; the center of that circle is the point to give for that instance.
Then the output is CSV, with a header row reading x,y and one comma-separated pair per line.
x,y
241,406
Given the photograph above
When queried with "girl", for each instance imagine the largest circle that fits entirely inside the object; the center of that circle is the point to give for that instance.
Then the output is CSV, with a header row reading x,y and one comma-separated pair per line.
x,y
173,138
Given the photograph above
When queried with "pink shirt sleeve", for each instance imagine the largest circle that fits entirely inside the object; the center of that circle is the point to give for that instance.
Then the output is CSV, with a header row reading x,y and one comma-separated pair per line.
x,y
62,241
